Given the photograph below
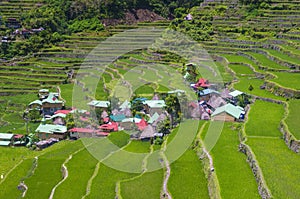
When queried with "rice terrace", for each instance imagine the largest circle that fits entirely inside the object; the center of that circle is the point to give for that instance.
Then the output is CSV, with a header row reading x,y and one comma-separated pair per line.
x,y
149,99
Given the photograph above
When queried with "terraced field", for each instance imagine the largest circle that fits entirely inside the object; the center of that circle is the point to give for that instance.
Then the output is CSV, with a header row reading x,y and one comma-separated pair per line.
x,y
270,65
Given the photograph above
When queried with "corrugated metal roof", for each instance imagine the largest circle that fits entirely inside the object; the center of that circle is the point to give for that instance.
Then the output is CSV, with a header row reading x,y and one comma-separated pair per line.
x,y
235,93
4,143
100,104
230,109
6,136
51,128
155,103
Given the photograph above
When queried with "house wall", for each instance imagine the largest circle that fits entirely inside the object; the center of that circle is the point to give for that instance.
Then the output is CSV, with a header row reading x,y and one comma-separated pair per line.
x,y
49,109
153,110
45,136
224,117
126,125
85,135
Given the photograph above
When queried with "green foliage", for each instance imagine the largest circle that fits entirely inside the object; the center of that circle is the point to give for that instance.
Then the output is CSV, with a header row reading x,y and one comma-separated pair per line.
x,y
86,25
34,115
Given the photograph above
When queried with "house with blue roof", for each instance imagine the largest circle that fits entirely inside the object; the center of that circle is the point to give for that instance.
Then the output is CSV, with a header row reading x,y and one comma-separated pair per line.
x,y
206,94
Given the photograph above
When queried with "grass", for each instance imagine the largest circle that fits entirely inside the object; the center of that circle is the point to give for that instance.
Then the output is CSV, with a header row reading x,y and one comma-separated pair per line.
x,y
9,186
137,146
293,118
264,119
234,174
104,184
227,77
9,157
75,185
187,179
266,62
279,166
119,138
240,59
144,89
245,82
284,57
147,186
241,69
289,80
48,173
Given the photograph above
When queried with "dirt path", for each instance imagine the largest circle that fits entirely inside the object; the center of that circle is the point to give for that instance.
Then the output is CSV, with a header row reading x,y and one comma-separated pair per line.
x,y
90,182
165,192
64,172
144,170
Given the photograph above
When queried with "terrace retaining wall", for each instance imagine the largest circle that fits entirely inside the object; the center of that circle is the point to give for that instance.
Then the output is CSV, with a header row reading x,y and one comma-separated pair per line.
x,y
279,90
262,187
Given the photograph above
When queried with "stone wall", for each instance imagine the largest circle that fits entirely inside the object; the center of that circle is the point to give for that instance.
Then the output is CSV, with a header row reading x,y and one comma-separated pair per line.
x,y
262,187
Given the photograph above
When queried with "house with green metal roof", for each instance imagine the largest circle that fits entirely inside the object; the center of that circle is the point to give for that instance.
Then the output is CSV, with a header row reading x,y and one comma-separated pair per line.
x,y
46,131
99,104
51,104
6,139
228,113
154,106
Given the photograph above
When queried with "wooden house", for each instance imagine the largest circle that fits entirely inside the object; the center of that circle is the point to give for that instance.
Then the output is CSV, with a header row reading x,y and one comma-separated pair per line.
x,y
77,133
154,106
46,131
228,113
103,105
51,104
147,133
206,94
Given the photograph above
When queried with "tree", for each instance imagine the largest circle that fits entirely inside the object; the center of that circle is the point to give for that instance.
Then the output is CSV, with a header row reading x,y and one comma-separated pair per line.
x,y
34,115
250,88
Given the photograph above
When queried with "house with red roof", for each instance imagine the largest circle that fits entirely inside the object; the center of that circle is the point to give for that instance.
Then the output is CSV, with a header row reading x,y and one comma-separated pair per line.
x,y
142,124
82,132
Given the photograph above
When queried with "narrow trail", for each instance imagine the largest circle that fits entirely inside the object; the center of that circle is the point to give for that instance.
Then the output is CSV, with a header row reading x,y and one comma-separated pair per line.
x,y
5,175
35,163
144,170
165,192
90,182
64,172
211,164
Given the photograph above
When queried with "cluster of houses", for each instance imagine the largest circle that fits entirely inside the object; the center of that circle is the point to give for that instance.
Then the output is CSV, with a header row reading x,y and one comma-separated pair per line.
x,y
53,126
213,104
144,124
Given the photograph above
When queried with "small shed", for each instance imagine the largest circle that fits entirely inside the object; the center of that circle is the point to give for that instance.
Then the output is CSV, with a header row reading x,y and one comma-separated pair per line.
x,y
6,139
147,133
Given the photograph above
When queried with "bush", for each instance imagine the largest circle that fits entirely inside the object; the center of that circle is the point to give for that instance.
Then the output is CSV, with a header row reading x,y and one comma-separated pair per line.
x,y
86,24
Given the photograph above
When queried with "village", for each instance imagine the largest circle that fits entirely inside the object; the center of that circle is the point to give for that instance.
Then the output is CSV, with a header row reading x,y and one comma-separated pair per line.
x,y
144,119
